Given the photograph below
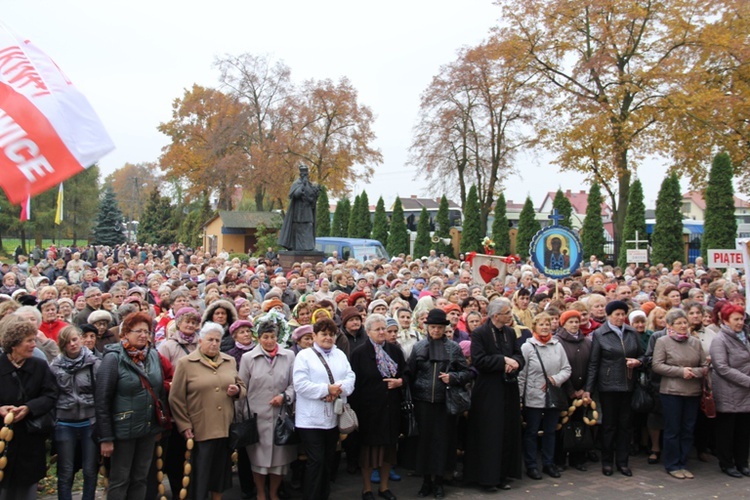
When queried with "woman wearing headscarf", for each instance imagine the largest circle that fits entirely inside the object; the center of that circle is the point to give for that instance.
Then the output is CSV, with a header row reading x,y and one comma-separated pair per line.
x,y
436,365
681,362
204,388
730,376
129,392
616,352
379,368
267,373
74,370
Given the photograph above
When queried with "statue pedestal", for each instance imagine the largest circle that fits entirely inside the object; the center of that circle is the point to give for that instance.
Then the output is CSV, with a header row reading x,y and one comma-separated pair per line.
x,y
289,257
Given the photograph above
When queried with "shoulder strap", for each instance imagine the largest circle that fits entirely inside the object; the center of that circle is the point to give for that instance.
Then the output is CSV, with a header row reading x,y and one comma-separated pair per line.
x,y
322,360
184,348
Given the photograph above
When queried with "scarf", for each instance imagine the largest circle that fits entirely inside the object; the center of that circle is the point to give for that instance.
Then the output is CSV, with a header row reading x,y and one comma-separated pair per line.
x,y
324,351
71,365
243,347
679,337
386,366
436,349
270,354
542,340
187,339
138,356
740,335
213,362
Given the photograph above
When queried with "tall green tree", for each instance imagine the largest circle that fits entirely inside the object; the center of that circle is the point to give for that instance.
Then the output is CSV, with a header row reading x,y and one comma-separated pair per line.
x,y
110,227
380,223
471,237
365,222
422,243
501,227
80,203
720,226
442,227
159,222
352,230
398,238
528,226
666,240
635,220
564,208
340,224
592,232
323,214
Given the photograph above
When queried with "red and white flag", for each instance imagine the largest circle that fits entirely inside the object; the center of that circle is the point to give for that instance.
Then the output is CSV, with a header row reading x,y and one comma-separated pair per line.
x,y
48,130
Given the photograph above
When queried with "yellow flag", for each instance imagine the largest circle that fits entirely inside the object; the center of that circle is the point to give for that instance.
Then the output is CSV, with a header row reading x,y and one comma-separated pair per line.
x,y
59,211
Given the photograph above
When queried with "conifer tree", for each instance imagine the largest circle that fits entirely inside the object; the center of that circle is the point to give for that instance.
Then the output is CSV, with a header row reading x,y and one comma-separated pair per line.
x,y
364,229
380,224
323,214
471,237
592,232
501,227
720,225
398,238
635,220
442,227
340,224
352,225
110,227
422,243
564,208
528,226
666,241
158,224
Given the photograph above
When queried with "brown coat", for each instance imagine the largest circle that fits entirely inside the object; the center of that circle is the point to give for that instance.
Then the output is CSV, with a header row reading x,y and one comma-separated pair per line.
x,y
671,358
198,398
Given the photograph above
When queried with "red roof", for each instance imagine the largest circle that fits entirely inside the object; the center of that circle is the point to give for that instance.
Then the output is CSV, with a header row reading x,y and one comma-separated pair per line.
x,y
697,198
579,201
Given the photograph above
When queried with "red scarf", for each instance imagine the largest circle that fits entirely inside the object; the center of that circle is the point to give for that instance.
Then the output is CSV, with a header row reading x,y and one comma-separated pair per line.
x,y
137,355
271,354
540,339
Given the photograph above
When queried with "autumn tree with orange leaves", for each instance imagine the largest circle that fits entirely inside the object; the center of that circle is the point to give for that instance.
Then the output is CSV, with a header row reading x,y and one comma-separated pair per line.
x,y
473,121
131,183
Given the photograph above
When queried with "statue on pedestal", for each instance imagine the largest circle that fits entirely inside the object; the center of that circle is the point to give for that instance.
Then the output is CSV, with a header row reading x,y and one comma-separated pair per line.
x,y
298,230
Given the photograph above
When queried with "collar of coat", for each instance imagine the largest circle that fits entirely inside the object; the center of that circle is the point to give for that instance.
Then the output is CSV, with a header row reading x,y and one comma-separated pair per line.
x,y
197,357
257,352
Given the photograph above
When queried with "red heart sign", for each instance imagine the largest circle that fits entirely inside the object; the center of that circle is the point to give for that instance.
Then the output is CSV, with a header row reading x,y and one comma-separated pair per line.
x,y
487,273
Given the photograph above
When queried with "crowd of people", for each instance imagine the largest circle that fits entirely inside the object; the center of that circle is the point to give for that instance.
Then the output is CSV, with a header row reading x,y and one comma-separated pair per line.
x,y
134,355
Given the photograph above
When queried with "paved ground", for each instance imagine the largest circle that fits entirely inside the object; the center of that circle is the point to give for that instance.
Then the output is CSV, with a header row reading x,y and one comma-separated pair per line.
x,y
648,481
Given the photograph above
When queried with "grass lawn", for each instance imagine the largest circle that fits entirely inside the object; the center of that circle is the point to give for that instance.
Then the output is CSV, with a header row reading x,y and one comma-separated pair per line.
x,y
10,245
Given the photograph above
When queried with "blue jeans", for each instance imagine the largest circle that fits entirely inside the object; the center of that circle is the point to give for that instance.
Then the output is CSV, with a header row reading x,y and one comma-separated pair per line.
x,y
547,419
680,414
67,438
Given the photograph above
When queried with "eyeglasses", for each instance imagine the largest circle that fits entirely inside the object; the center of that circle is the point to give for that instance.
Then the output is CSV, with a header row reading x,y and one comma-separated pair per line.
x,y
140,332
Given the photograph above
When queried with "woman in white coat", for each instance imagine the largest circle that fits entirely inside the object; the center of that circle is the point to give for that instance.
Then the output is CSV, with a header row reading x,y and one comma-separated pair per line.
x,y
315,419
267,372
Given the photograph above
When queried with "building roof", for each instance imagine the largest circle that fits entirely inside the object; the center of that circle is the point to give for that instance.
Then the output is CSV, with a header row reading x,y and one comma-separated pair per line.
x,y
243,219
579,201
697,198
414,203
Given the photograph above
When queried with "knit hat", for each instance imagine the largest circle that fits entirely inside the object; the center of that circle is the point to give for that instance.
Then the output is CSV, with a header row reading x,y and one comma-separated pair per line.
x,y
349,313
636,314
451,307
647,307
353,298
572,313
465,347
270,304
99,316
186,310
239,301
341,297
300,332
375,303
389,322
616,305
239,323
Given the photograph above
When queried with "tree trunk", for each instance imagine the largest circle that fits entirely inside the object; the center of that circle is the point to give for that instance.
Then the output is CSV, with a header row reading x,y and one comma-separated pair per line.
x,y
620,211
259,196
23,238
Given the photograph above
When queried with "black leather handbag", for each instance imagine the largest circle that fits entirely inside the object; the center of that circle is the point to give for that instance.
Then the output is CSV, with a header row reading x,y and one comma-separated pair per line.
x,y
409,426
284,432
243,432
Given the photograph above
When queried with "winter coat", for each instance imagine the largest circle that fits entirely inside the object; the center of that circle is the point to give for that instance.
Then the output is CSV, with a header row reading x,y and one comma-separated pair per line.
x,y
531,378
424,372
27,457
264,381
311,386
730,373
75,400
378,408
176,348
670,359
198,397
578,351
607,370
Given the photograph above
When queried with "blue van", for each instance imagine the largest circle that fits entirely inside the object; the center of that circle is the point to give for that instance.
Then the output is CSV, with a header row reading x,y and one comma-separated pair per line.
x,y
358,248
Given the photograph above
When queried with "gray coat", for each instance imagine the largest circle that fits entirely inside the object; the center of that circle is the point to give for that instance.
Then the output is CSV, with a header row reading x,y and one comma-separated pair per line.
x,y
531,378
730,374
265,380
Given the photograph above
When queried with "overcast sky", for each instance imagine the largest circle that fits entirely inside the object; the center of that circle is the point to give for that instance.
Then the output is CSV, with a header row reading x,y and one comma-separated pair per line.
x,y
132,59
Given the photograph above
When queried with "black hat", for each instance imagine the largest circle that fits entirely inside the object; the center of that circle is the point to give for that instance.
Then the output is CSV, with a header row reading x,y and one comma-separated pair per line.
x,y
436,317
615,305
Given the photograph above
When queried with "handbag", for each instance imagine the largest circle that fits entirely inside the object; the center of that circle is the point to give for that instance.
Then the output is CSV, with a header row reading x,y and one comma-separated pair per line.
x,y
284,432
642,401
243,432
708,405
457,400
41,424
554,397
348,421
162,413
409,426
577,436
